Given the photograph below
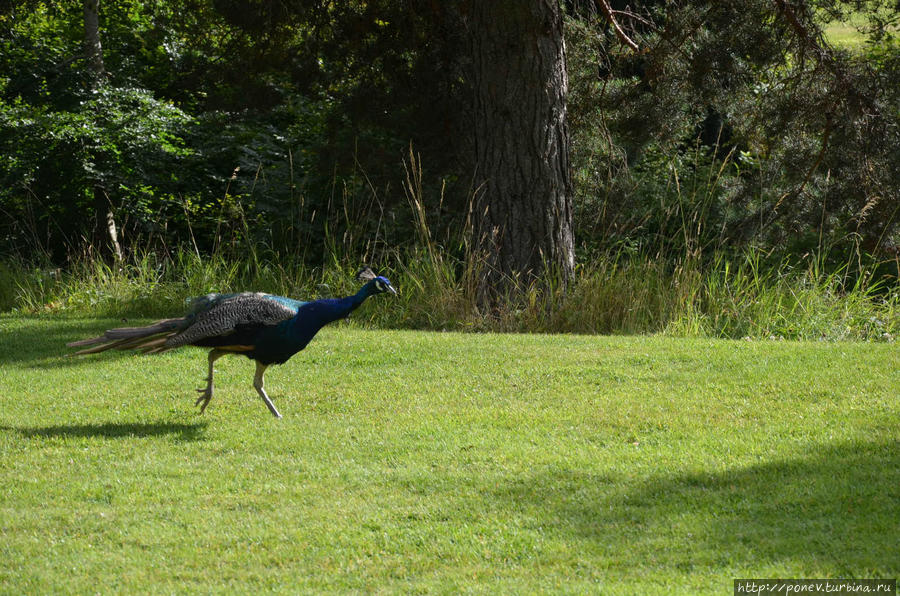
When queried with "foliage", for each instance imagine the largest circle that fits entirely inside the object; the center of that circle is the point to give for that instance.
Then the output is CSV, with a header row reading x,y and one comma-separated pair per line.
x,y
797,139
120,139
279,131
74,147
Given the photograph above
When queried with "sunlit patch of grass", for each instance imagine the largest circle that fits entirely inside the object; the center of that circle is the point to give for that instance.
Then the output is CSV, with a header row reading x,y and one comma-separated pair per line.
x,y
850,33
419,462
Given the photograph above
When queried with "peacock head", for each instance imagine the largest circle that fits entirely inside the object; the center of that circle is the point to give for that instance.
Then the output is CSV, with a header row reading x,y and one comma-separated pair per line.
x,y
376,284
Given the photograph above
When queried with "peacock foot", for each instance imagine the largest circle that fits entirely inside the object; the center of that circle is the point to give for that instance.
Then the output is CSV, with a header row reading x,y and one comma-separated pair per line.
x,y
205,396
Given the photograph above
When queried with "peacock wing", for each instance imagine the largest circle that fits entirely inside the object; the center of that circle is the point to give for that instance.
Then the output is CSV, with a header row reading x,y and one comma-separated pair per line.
x,y
222,315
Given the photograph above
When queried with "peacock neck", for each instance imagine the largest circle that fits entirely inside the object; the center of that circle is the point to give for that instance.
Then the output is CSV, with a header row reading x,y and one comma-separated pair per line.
x,y
314,315
350,303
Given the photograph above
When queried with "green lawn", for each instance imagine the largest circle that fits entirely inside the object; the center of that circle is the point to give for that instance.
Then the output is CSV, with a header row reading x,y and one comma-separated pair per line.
x,y
846,34
429,462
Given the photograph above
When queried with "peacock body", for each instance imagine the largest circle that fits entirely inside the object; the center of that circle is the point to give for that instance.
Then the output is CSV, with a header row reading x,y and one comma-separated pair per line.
x,y
263,327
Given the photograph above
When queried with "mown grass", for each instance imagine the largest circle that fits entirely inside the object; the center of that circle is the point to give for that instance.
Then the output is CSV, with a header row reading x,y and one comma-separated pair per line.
x,y
421,462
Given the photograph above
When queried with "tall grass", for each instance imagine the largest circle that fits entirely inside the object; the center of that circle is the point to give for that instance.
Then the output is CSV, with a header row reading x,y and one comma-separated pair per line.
x,y
616,294
658,290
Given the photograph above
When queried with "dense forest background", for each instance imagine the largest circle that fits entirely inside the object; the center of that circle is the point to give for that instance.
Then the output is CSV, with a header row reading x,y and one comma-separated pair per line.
x,y
297,129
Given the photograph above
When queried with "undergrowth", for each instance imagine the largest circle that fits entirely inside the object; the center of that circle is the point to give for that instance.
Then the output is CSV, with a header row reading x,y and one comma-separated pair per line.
x,y
680,286
616,294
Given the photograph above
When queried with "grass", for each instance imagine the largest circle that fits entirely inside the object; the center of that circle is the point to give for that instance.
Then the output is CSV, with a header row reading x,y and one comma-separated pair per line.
x,y
615,294
849,32
846,34
444,462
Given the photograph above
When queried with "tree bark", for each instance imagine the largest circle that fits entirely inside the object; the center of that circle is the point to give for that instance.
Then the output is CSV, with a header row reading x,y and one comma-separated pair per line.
x,y
104,219
523,204
92,47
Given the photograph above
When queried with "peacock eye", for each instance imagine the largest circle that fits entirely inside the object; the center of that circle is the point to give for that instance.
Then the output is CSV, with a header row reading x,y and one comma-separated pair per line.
x,y
380,285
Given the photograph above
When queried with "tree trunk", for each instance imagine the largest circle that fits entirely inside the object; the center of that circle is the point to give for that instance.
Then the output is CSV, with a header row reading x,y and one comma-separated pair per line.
x,y
104,219
523,203
106,233
92,47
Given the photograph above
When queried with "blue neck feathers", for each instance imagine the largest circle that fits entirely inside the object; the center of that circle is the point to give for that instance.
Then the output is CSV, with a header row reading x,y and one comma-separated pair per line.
x,y
314,315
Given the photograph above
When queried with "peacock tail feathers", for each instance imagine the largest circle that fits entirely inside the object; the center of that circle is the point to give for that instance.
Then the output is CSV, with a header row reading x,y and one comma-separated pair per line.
x,y
131,338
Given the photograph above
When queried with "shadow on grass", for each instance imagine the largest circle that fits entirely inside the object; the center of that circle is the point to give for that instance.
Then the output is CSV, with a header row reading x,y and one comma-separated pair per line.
x,y
117,430
834,511
41,340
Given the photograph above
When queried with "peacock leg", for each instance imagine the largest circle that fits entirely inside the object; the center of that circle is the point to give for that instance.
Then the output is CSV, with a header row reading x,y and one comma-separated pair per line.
x,y
207,393
258,385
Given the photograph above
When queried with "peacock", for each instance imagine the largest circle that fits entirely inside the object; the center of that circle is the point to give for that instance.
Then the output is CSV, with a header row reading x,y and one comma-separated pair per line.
x,y
266,328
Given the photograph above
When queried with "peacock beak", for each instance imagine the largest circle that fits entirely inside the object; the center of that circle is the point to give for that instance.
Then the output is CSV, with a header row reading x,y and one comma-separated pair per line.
x,y
392,290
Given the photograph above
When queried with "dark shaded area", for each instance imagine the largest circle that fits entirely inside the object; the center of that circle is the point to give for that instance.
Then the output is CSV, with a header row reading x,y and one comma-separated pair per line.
x,y
116,430
837,508
44,344
282,127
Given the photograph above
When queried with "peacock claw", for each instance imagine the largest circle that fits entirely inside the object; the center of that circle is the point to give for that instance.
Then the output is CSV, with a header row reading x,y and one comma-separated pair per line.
x,y
204,399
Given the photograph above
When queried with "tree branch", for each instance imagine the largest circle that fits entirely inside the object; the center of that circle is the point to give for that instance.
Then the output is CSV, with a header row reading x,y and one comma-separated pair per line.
x,y
611,17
